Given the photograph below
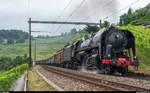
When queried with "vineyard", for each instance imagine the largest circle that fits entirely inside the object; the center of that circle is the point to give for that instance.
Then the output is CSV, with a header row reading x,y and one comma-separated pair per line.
x,y
8,77
142,40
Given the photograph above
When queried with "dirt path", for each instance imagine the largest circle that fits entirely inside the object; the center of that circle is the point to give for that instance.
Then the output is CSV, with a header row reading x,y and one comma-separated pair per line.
x,y
19,84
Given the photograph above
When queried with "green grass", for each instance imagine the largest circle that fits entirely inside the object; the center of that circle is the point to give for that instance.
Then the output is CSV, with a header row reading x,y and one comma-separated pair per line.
x,y
13,50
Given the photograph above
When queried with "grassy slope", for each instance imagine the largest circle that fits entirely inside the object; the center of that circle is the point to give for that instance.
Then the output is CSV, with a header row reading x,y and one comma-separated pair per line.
x,y
36,83
43,50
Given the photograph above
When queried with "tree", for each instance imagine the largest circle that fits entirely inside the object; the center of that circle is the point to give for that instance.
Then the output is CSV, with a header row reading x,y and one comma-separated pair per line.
x,y
66,33
73,31
10,41
130,12
62,34
139,17
90,29
15,35
7,63
21,40
105,24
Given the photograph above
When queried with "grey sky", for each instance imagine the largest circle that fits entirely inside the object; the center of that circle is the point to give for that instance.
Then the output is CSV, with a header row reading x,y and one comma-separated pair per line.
x,y
15,13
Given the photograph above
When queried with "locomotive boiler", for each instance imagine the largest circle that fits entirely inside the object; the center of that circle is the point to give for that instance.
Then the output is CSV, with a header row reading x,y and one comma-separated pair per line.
x,y
108,51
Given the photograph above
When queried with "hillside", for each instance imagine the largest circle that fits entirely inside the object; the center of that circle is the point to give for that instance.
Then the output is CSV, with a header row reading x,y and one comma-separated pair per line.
x,y
46,47
12,36
138,17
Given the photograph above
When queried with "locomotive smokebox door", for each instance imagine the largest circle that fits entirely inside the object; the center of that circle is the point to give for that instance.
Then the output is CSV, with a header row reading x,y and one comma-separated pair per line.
x,y
117,39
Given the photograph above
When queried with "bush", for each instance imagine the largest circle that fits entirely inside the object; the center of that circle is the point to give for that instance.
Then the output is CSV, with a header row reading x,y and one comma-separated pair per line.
x,y
7,63
10,76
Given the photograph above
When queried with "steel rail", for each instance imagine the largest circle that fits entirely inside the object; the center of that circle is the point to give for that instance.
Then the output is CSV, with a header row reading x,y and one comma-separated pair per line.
x,y
96,81
107,87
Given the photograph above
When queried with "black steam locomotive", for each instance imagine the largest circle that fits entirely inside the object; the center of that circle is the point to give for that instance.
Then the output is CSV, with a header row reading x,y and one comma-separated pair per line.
x,y
107,51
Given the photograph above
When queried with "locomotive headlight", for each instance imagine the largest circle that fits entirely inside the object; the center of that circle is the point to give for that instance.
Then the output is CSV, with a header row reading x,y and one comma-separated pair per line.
x,y
117,36
108,55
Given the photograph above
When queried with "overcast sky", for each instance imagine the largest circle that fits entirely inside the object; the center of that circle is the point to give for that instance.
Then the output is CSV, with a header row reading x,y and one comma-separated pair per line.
x,y
14,14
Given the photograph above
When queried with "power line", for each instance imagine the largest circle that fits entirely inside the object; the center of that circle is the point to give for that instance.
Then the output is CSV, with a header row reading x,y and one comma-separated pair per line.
x,y
62,12
98,8
121,9
65,9
76,9
28,8
82,2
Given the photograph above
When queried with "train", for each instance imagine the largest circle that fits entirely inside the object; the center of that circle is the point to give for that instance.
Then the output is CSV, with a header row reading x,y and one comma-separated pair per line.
x,y
108,51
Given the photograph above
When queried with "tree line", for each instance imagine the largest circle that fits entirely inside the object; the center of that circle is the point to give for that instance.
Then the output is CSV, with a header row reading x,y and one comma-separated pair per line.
x,y
7,63
138,17
13,36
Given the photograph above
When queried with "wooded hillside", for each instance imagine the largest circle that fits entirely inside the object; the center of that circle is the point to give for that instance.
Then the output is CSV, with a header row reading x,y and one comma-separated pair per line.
x,y
138,17
12,36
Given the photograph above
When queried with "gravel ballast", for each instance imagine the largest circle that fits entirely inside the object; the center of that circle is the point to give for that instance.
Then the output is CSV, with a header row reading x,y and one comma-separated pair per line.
x,y
69,84
74,85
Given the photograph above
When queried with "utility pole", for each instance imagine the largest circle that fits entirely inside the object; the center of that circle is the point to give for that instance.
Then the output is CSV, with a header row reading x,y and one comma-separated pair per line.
x,y
35,51
30,48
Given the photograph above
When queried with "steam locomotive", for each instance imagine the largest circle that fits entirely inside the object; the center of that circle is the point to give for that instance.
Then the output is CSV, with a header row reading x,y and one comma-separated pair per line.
x,y
107,51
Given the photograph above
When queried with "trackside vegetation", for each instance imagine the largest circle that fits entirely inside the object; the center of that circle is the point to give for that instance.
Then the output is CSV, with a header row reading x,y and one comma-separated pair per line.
x,y
8,77
7,63
142,41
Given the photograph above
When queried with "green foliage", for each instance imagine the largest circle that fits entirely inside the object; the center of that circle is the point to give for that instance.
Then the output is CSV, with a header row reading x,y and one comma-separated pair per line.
x,y
91,29
73,31
142,40
130,11
13,35
82,31
53,45
74,41
106,24
10,41
10,76
67,45
7,63
139,17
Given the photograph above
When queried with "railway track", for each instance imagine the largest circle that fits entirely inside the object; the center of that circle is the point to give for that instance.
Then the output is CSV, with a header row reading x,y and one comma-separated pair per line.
x,y
107,85
134,76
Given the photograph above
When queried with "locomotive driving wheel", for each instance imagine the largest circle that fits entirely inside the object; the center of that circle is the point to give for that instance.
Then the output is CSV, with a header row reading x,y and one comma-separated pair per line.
x,y
89,64
107,69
